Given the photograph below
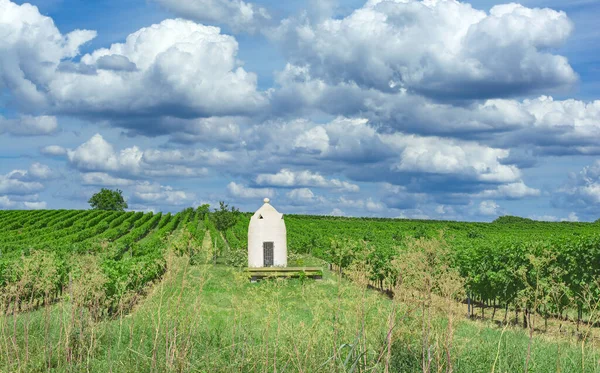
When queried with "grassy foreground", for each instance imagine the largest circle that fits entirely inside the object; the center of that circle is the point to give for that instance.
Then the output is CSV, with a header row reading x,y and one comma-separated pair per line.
x,y
209,318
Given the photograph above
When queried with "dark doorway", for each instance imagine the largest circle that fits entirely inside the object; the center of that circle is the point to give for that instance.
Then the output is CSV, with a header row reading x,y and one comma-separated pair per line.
x,y
268,254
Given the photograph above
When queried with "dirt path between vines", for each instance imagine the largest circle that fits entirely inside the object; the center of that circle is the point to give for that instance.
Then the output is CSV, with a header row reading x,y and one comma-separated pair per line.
x,y
207,243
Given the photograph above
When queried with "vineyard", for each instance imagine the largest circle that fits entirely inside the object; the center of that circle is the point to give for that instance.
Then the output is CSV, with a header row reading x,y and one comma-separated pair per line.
x,y
500,262
41,251
96,290
513,263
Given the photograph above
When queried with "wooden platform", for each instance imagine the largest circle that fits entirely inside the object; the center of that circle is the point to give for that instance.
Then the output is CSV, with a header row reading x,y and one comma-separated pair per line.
x,y
256,274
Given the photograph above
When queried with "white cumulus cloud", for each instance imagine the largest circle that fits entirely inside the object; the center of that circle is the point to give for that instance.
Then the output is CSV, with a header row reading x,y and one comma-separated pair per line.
x,y
174,68
516,190
25,182
10,185
488,208
443,49
25,202
54,150
445,156
241,191
237,14
31,48
582,191
182,68
99,156
28,125
104,179
289,178
154,194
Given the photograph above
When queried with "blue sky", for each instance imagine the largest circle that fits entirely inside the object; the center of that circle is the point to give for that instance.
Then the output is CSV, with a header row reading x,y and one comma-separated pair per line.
x,y
398,108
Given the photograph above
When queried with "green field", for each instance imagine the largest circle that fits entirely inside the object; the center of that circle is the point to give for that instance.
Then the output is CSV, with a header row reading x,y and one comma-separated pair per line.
x,y
132,292
45,246
501,262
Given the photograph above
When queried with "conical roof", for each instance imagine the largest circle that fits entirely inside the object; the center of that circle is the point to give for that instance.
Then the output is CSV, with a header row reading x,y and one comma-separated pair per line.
x,y
267,211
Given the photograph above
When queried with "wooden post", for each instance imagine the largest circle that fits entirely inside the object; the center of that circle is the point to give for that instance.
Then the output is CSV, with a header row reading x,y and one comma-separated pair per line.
x,y
469,305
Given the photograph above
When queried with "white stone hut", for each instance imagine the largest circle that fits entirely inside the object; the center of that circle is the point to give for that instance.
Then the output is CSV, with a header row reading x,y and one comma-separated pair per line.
x,y
267,238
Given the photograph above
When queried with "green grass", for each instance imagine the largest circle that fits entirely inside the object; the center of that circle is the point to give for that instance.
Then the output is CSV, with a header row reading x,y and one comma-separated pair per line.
x,y
210,318
207,318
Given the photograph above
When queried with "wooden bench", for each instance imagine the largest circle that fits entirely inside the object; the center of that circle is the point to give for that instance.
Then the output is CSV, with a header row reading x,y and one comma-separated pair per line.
x,y
256,274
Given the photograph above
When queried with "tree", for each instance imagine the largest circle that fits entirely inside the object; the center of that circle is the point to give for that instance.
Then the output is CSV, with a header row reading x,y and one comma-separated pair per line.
x,y
203,210
225,218
509,219
107,199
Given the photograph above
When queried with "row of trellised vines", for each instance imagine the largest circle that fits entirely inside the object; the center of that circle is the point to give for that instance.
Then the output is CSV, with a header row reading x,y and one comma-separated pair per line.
x,y
42,252
552,269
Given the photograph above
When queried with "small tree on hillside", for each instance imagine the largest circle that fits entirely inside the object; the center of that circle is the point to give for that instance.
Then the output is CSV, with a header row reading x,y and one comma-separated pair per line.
x,y
107,199
225,218
203,210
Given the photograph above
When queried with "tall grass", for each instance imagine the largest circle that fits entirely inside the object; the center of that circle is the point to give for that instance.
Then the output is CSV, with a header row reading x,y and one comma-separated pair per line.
x,y
204,317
